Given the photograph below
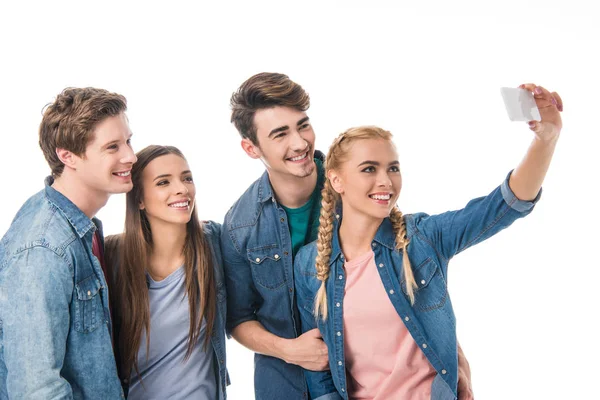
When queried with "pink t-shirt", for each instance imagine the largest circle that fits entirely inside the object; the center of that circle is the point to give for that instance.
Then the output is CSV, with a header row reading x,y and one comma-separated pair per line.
x,y
382,359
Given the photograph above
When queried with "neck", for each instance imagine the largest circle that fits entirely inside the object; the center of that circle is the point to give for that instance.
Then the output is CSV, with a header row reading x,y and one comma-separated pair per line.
x,y
293,191
356,233
89,201
167,249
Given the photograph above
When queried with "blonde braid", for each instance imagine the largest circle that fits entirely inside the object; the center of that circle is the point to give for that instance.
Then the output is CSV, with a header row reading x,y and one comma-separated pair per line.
x,y
324,248
402,243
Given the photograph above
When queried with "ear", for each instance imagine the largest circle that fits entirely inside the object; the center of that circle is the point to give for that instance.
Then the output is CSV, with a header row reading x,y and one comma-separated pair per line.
x,y
68,158
251,149
336,181
141,205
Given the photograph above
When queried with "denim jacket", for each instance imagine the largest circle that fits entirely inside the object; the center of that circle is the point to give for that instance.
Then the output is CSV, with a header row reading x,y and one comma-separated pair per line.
x,y
212,230
434,240
55,340
259,275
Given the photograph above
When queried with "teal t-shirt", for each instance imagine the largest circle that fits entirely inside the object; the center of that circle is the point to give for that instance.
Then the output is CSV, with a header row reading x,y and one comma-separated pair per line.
x,y
303,221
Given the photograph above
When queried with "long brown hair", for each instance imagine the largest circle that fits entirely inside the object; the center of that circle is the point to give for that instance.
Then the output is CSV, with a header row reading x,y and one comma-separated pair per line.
x,y
133,249
338,153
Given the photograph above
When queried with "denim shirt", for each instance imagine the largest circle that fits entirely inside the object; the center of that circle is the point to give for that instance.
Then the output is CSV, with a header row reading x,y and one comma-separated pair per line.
x,y
55,340
434,240
259,275
212,230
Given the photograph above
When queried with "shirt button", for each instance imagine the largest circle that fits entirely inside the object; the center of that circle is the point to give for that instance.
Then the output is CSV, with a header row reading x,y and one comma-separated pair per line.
x,y
339,333
282,219
342,256
340,363
276,256
257,259
443,372
374,244
285,253
343,390
337,216
424,345
392,291
380,265
340,277
422,281
89,293
337,304
406,318
273,199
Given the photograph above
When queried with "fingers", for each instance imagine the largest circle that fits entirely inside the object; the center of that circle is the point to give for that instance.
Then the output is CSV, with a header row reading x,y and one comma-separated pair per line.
x,y
559,103
535,126
540,93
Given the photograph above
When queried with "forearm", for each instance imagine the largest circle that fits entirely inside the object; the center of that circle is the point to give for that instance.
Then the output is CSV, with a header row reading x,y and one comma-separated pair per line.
x,y
254,336
526,180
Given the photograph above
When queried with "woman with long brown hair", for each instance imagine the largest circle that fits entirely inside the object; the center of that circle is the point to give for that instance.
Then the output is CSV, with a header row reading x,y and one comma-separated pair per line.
x,y
168,298
374,281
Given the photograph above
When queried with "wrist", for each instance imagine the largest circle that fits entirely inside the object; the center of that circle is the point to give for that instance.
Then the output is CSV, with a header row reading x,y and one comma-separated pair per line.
x,y
280,345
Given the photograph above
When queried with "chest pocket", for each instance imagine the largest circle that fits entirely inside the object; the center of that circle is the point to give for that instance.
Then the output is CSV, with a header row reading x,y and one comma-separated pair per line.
x,y
267,266
431,292
89,312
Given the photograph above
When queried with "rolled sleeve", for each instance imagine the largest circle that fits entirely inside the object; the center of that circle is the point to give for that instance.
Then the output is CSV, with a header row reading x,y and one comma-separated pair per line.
x,y
37,287
513,201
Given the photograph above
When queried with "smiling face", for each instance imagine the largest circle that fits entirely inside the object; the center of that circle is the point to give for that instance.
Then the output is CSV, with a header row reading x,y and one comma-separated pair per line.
x,y
285,142
368,180
168,190
105,168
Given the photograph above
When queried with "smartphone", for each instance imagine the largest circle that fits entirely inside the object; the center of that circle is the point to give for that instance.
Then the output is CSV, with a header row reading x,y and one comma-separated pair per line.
x,y
520,104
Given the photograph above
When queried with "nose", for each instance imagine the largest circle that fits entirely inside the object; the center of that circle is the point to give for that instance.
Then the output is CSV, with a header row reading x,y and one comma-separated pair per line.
x,y
298,143
383,179
128,156
182,188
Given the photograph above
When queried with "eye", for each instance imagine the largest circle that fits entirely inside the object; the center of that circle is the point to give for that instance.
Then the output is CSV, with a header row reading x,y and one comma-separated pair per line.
x,y
304,126
129,142
113,147
188,179
279,135
368,169
394,168
162,182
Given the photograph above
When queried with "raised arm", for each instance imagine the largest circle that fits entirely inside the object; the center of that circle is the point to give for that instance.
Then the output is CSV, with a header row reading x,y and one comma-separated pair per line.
x,y
526,180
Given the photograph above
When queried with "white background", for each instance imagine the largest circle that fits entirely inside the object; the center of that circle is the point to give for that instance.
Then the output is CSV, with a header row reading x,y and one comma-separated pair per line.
x,y
525,301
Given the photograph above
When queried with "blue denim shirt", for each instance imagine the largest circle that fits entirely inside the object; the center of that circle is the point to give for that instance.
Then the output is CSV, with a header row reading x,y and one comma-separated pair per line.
x,y
212,230
55,340
434,240
259,275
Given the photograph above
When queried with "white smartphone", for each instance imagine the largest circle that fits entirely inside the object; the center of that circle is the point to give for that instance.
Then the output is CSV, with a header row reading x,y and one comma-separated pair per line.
x,y
520,104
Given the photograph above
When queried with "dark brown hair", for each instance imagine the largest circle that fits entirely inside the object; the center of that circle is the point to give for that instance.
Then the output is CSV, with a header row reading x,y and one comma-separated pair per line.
x,y
69,122
264,90
133,249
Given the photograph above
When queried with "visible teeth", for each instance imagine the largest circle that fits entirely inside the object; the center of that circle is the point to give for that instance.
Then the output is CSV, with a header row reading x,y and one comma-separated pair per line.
x,y
123,173
299,157
180,205
381,196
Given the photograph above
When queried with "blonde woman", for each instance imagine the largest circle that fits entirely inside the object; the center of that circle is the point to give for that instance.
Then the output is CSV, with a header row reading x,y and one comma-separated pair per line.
x,y
374,281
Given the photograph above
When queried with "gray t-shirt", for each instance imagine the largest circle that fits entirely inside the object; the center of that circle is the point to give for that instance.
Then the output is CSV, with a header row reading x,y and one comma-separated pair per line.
x,y
165,374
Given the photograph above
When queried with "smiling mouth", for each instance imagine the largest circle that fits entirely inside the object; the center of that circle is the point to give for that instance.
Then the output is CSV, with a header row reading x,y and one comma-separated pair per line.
x,y
381,197
123,174
180,204
301,157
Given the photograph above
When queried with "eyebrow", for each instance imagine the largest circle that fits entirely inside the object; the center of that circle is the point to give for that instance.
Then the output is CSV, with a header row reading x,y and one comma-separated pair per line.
x,y
286,127
377,163
168,175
